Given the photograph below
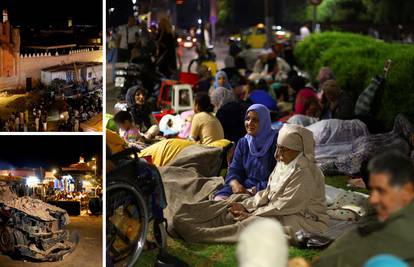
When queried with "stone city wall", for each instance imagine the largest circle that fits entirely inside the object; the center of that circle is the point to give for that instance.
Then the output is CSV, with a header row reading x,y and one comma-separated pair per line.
x,y
31,65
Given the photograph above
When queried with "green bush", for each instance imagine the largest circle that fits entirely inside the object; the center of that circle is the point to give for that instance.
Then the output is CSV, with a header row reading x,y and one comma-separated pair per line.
x,y
355,59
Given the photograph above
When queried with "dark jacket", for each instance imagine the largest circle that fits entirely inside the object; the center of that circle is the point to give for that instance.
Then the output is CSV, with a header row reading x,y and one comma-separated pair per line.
x,y
344,110
393,236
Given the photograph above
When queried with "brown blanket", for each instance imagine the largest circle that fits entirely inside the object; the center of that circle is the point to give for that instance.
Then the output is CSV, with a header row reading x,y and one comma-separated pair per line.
x,y
206,161
191,214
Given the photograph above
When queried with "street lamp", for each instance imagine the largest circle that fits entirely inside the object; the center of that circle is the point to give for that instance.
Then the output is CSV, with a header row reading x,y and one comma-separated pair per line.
x,y
315,4
135,8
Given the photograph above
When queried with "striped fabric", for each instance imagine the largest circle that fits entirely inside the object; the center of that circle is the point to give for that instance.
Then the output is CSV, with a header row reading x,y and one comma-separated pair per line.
x,y
365,99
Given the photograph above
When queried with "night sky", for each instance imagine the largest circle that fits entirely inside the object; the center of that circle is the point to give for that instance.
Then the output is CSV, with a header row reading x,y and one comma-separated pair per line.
x,y
53,12
47,151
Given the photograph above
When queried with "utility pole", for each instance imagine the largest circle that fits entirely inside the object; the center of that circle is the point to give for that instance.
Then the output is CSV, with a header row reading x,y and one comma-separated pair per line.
x,y
173,5
213,19
268,22
200,20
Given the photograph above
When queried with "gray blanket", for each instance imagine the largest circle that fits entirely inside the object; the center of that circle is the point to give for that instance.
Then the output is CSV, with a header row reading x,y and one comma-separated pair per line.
x,y
190,181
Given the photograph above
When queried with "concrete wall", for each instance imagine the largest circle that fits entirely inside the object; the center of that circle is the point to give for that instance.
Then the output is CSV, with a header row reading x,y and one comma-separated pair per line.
x,y
32,65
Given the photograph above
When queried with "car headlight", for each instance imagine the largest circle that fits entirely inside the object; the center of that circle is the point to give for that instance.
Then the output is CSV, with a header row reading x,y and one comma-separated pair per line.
x,y
121,72
194,40
238,39
179,40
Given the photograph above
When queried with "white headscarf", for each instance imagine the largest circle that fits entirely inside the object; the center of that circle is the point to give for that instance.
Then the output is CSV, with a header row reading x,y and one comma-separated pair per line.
x,y
297,138
262,244
220,97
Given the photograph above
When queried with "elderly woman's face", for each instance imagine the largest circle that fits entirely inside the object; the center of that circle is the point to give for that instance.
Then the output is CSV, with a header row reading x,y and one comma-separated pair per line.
x,y
221,81
139,99
285,154
252,123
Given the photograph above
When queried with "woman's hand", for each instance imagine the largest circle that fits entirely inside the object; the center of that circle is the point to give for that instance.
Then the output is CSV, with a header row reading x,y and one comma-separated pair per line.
x,y
252,190
238,211
237,188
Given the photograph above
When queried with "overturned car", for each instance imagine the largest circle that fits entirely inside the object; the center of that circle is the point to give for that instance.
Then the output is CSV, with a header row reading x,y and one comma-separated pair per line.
x,y
31,228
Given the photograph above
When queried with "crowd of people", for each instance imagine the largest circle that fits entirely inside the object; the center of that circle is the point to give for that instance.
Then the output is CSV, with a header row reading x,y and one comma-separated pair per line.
x,y
77,109
282,132
80,106
136,43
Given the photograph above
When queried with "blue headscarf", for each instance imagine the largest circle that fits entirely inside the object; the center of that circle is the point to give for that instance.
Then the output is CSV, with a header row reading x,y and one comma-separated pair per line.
x,y
226,83
265,136
385,260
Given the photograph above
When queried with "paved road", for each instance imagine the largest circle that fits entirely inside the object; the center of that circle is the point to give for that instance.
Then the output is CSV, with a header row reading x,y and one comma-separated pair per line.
x,y
221,51
87,253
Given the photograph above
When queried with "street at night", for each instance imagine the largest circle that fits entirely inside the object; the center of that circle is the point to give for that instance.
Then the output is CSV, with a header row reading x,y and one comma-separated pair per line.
x,y
51,67
51,201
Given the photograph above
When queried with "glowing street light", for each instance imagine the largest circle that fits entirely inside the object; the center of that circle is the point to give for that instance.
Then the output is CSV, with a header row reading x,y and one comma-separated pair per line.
x,y
111,10
134,1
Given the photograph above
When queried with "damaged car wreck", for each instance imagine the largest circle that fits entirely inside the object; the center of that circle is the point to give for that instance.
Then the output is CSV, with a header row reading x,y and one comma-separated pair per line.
x,y
32,229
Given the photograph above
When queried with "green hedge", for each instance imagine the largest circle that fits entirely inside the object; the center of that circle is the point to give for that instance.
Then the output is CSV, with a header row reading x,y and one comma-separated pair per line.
x,y
355,59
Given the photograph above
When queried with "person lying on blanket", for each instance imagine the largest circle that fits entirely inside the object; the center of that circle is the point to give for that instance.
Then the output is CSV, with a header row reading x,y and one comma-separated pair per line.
x,y
295,195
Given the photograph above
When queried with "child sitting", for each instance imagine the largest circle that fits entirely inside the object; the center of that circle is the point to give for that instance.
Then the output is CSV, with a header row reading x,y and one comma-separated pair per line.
x,y
128,130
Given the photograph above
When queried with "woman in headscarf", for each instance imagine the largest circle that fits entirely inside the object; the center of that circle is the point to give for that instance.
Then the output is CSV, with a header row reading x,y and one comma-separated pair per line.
x,y
220,97
230,112
221,80
295,196
141,112
296,189
253,158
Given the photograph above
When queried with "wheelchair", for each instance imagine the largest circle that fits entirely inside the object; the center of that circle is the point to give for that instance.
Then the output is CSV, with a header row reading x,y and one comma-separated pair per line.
x,y
135,197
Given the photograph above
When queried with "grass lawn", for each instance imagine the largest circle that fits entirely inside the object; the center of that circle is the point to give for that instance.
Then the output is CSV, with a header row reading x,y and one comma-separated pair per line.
x,y
199,255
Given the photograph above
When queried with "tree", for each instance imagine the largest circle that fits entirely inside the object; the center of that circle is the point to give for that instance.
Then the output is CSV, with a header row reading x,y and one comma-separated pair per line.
x,y
342,10
374,11
390,11
225,14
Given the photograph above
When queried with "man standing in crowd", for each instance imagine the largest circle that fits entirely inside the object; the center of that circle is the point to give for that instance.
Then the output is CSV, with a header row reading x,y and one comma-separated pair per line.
x,y
127,36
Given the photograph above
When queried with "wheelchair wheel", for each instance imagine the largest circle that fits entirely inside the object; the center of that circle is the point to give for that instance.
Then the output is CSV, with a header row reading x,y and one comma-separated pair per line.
x,y
126,223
